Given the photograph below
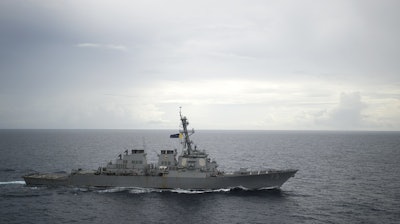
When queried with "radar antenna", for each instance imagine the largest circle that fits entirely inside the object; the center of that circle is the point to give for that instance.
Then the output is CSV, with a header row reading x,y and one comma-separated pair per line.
x,y
185,123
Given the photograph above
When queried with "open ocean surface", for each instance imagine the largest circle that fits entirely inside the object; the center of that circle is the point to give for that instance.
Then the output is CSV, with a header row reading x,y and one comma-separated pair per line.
x,y
343,177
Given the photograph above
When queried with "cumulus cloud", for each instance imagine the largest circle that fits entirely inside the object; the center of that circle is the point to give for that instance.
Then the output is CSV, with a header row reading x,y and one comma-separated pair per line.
x,y
348,114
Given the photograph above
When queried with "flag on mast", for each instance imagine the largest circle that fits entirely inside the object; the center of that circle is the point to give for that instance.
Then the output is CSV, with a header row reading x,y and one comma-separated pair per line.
x,y
179,135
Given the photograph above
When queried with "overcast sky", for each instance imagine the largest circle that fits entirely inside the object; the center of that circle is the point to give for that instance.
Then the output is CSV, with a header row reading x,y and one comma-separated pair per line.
x,y
273,65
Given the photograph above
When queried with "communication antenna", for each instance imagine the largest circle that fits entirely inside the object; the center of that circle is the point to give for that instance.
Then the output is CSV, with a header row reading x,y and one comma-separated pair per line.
x,y
144,142
185,123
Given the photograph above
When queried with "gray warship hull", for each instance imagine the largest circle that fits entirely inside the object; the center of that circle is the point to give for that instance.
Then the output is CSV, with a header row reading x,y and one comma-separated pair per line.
x,y
192,169
249,180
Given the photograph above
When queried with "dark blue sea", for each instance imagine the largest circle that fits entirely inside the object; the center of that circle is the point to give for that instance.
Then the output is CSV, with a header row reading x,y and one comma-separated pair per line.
x,y
343,177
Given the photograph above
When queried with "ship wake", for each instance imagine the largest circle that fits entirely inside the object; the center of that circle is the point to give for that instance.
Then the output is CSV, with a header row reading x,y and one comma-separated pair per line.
x,y
136,190
12,182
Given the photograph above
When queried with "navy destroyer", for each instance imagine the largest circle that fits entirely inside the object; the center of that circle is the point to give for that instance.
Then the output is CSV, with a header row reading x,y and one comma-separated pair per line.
x,y
191,169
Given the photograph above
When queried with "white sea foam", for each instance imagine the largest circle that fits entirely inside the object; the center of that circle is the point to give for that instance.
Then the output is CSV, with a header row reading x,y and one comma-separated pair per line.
x,y
137,190
12,182
183,191
128,189
112,190
143,190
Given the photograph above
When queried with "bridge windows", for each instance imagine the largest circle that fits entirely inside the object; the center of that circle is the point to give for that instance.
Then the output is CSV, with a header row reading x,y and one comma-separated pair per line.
x,y
167,151
165,163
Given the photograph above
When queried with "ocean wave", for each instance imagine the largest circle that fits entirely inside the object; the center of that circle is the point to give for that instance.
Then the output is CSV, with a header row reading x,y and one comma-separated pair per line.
x,y
7,170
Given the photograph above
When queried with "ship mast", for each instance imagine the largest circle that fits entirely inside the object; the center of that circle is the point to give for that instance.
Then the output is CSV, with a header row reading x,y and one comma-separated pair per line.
x,y
187,141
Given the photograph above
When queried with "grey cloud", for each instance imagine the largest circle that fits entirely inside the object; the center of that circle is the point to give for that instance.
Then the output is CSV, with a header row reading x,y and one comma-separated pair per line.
x,y
105,46
347,115
79,48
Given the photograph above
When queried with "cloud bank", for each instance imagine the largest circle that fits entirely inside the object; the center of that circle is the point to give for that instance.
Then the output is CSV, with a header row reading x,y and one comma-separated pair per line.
x,y
103,46
231,64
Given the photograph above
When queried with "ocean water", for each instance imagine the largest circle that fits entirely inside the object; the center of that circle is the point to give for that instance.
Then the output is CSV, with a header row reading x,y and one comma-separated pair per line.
x,y
343,177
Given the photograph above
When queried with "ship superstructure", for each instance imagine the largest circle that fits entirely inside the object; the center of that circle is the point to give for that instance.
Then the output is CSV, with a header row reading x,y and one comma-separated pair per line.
x,y
191,162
